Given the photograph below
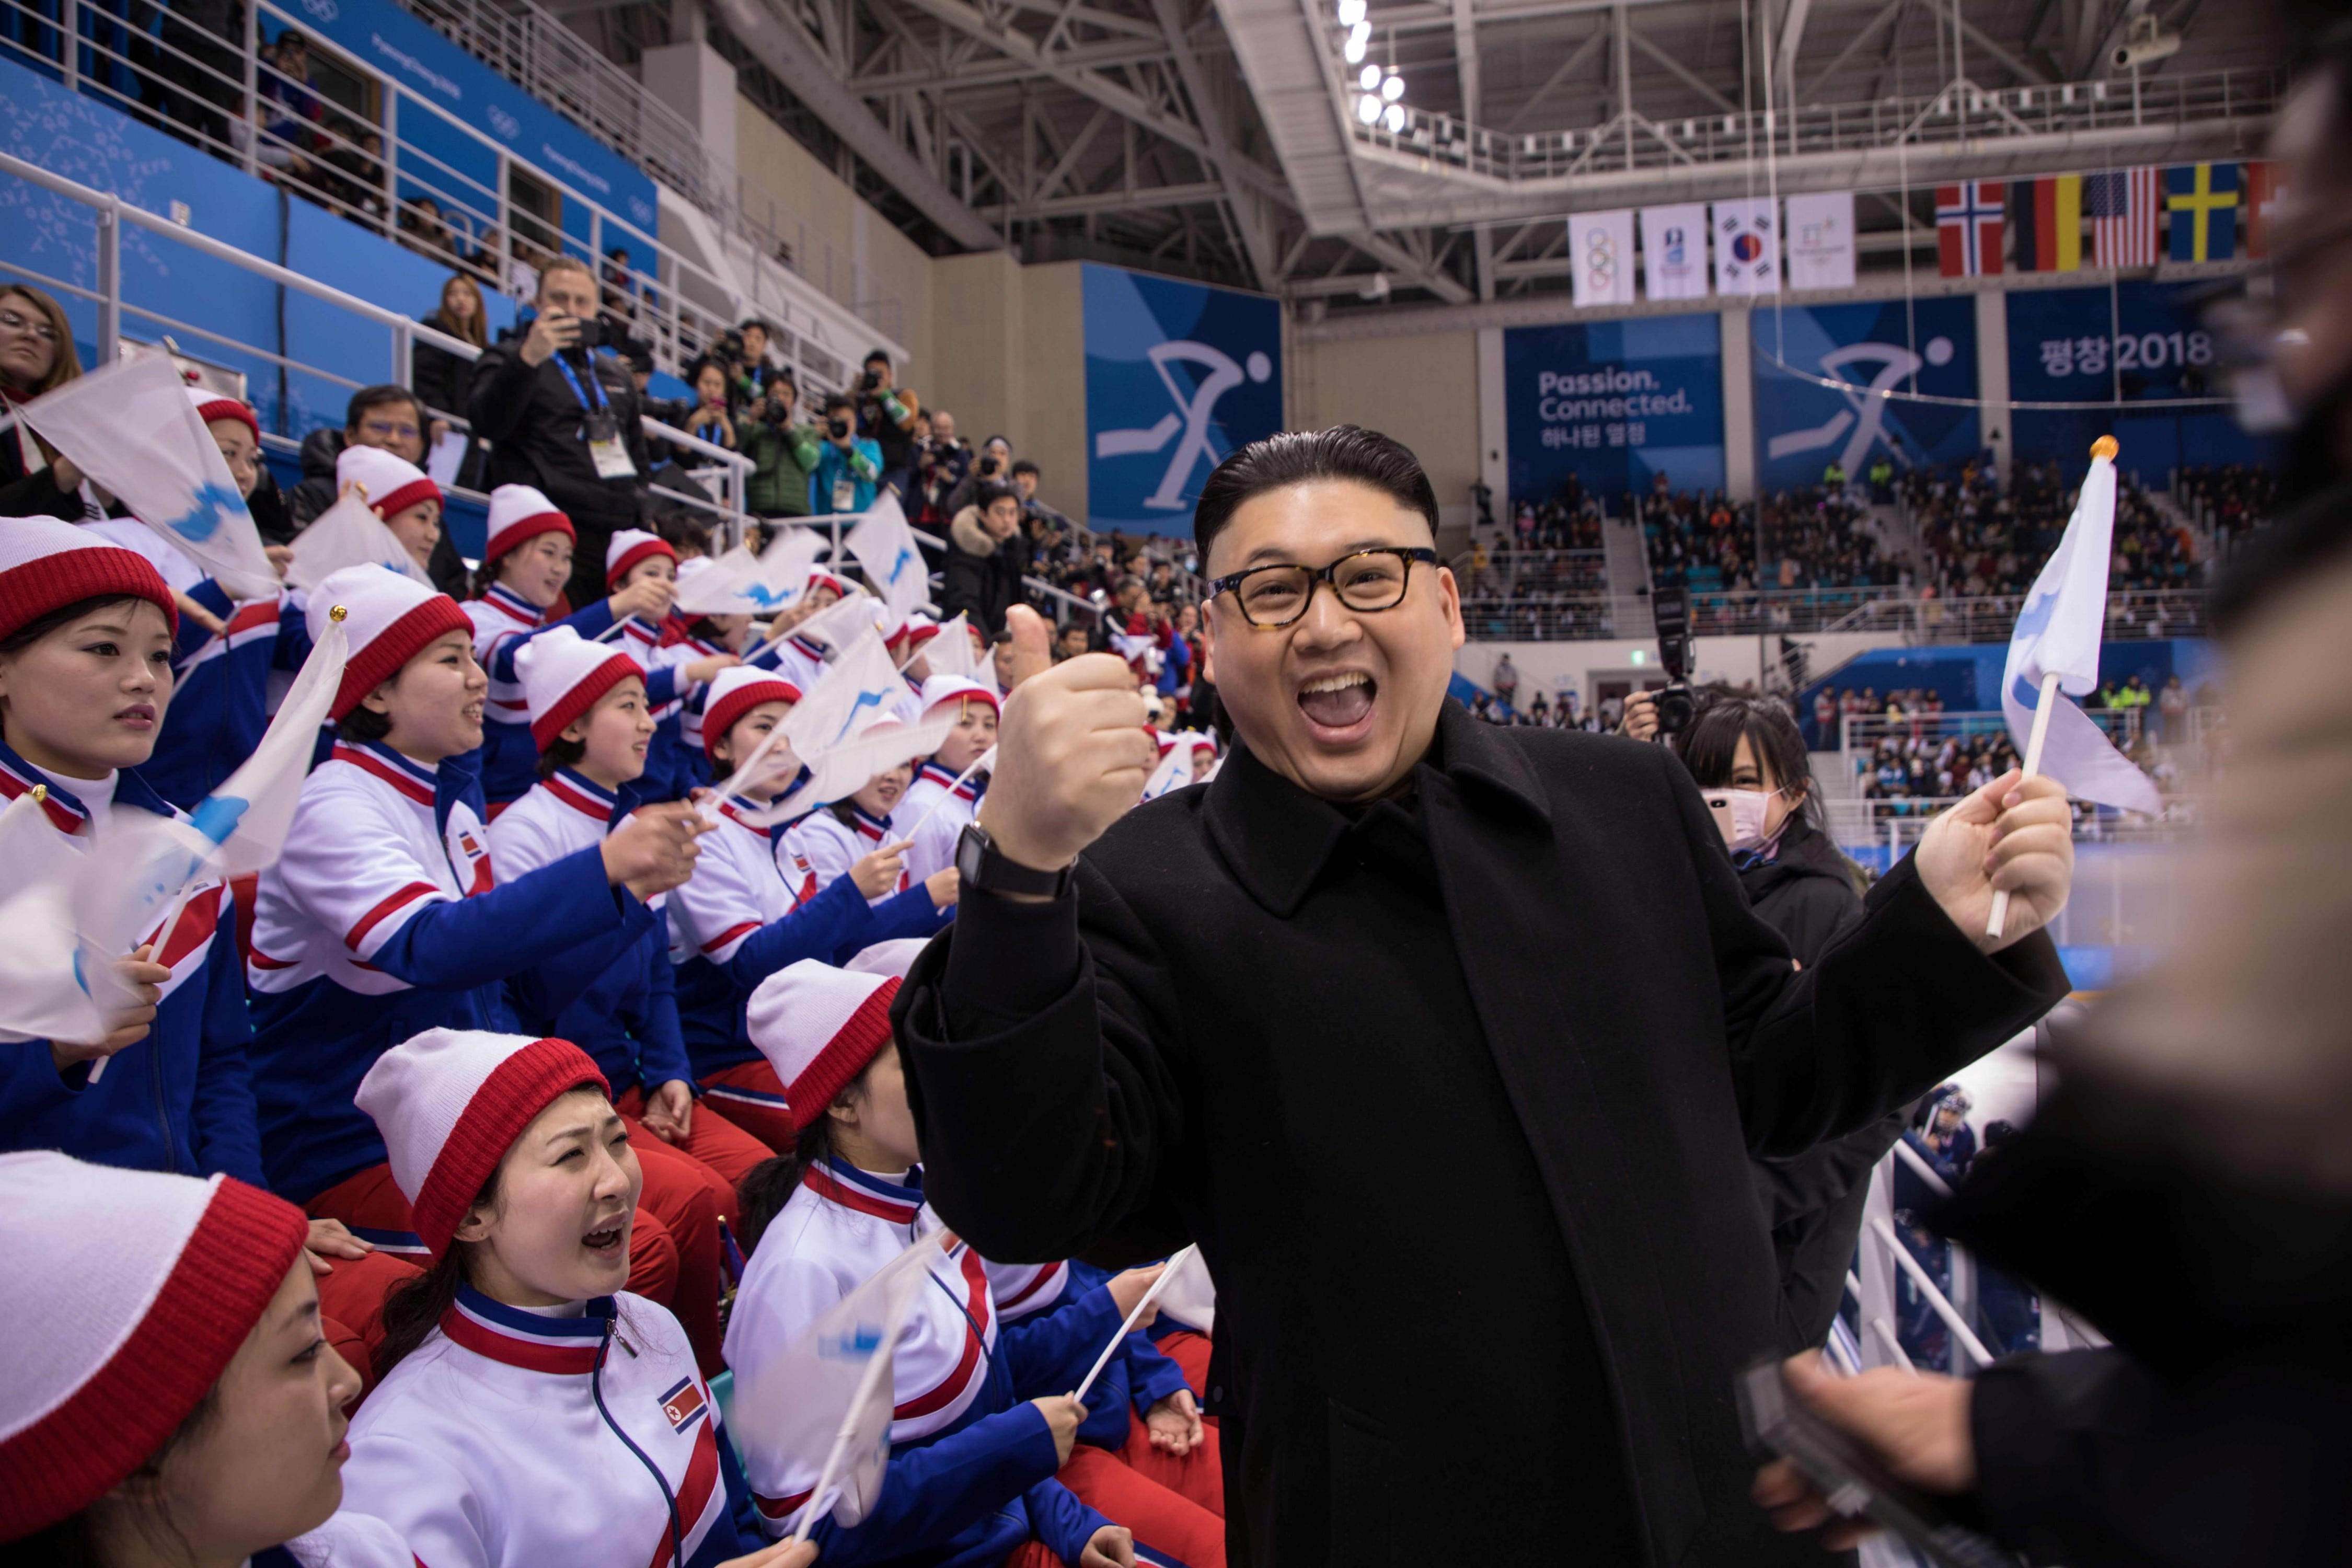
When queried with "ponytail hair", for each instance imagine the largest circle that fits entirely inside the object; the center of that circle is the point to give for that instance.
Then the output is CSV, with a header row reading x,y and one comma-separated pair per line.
x,y
772,1183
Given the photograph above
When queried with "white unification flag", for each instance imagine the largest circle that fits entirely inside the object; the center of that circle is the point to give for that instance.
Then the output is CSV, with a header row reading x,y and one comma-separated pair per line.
x,y
1747,247
248,815
812,1418
130,428
951,653
836,626
1674,251
2058,632
785,562
1821,241
39,997
828,731
885,546
1190,1296
1600,246
348,534
1174,772
734,584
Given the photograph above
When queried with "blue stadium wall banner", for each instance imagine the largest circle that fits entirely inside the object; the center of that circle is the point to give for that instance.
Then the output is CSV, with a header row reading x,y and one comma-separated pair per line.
x,y
388,41
1614,403
1178,375
2135,342
1919,347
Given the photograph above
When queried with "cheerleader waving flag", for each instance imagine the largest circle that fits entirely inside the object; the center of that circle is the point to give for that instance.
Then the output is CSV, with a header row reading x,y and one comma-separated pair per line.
x,y
885,546
830,733
130,428
349,534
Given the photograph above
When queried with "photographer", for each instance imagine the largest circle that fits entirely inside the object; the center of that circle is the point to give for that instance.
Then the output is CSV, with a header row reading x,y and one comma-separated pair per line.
x,y
848,466
785,450
885,417
562,417
992,466
752,380
942,461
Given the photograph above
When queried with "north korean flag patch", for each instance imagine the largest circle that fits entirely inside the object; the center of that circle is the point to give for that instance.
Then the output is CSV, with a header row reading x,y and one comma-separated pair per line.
x,y
684,1404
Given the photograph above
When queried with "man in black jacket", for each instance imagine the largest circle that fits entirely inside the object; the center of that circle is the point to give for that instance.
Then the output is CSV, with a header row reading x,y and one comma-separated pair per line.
x,y
387,417
1448,1045
988,554
566,419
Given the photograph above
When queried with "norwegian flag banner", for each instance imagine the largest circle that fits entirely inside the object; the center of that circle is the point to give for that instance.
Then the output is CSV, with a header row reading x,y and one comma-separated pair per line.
x,y
1968,229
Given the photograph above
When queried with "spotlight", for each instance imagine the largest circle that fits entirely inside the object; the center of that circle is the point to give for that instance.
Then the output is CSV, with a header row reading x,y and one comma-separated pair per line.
x,y
1394,118
1392,88
1369,78
1351,12
1360,40
1368,107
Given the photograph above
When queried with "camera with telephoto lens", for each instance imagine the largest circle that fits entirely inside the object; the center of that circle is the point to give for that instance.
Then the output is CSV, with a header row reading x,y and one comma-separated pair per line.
x,y
838,425
1675,705
871,380
989,464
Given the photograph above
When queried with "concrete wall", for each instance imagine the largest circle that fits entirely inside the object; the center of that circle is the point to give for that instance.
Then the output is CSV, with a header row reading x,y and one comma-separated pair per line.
x,y
1422,390
1010,359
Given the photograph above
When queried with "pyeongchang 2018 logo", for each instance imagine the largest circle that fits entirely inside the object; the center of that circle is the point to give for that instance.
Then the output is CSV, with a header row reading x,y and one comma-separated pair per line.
x,y
1190,419
324,10
504,123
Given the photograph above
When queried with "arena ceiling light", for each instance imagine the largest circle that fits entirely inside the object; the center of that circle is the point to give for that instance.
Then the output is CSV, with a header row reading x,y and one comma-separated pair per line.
x,y
1369,78
1351,12
1368,107
1359,42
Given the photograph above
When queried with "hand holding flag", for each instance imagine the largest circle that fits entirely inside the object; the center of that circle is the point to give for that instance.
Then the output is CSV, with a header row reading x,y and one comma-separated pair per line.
x,y
830,731
1170,1272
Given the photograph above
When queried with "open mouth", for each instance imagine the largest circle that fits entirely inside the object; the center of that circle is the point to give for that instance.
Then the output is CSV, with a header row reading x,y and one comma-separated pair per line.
x,y
605,1241
138,716
1337,704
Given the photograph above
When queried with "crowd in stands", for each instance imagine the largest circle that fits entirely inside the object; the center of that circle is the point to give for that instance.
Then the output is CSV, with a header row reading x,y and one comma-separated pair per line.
x,y
1978,541
2233,499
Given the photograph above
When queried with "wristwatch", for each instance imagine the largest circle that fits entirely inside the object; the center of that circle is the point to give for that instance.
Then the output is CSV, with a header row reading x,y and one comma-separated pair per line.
x,y
980,865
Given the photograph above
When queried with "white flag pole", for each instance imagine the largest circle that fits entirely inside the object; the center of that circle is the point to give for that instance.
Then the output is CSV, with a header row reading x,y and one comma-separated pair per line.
x,y
2048,698
874,1370
978,763
163,944
1167,1273
616,630
733,788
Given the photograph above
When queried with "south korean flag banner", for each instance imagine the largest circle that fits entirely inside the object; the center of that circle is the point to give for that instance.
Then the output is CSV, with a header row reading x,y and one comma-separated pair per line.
x,y
1747,247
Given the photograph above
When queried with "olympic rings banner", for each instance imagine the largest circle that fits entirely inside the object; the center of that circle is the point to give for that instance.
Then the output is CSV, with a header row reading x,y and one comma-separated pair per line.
x,y
1613,403
1920,346
1178,375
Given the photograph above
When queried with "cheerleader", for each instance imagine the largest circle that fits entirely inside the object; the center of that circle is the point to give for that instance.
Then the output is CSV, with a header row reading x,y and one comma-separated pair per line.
x,y
975,1451
384,916
531,1411
399,492
167,1378
937,825
222,673
592,720
801,658
526,560
677,666
824,846
905,644
741,920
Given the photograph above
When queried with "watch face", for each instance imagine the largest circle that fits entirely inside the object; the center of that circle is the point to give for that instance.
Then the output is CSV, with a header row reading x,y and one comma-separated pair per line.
x,y
970,847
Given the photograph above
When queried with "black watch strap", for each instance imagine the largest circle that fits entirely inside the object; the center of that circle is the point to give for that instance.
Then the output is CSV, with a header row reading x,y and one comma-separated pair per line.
x,y
980,865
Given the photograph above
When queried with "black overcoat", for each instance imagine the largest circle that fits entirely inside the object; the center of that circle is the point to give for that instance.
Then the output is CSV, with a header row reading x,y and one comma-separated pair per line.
x,y
1154,1059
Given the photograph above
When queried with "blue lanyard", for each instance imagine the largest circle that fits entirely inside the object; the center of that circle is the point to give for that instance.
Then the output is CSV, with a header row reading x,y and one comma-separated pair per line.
x,y
595,405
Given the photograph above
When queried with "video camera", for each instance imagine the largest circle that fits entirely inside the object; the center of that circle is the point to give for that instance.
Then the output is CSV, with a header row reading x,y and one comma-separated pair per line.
x,y
1675,706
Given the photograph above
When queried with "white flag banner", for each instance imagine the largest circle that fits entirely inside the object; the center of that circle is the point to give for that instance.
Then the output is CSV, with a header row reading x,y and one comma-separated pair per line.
x,y
2058,632
348,534
1821,241
826,731
951,652
1747,247
39,997
1174,772
734,584
885,546
249,814
1601,245
1190,1296
836,626
785,564
130,428
1674,251
812,1420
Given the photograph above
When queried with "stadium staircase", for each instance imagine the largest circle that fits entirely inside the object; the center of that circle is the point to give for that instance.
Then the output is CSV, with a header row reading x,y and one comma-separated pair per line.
x,y
1626,557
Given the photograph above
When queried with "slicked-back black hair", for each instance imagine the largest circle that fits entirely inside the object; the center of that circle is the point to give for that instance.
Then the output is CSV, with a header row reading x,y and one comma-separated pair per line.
x,y
1301,457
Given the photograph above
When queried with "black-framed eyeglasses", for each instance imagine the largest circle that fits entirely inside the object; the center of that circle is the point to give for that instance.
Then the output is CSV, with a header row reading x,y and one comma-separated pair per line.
x,y
1364,580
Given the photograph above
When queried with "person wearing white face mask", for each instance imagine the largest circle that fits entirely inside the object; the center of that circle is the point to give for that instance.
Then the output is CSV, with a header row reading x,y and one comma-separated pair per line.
x,y
1798,883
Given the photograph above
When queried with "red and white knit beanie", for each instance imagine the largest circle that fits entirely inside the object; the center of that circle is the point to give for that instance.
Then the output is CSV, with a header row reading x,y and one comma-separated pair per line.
x,y
629,546
46,563
735,691
563,674
126,1295
891,958
450,1103
389,618
821,578
388,482
519,513
941,690
818,1027
913,632
212,405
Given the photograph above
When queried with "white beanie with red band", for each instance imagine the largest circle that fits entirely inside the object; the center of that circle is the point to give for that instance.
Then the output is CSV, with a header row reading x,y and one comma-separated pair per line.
x,y
212,405
735,691
942,690
46,563
389,619
563,674
451,1103
388,482
629,546
819,1026
127,1294
519,513
918,628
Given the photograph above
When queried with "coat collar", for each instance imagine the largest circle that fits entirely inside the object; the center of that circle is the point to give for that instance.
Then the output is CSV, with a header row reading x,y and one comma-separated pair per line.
x,y
64,808
535,1341
1276,837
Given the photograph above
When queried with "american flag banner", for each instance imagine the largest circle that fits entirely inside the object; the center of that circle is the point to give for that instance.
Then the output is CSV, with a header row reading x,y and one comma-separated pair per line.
x,y
2122,206
1968,229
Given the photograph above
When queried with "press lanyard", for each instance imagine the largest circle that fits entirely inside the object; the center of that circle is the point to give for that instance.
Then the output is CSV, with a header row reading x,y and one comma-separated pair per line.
x,y
595,405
